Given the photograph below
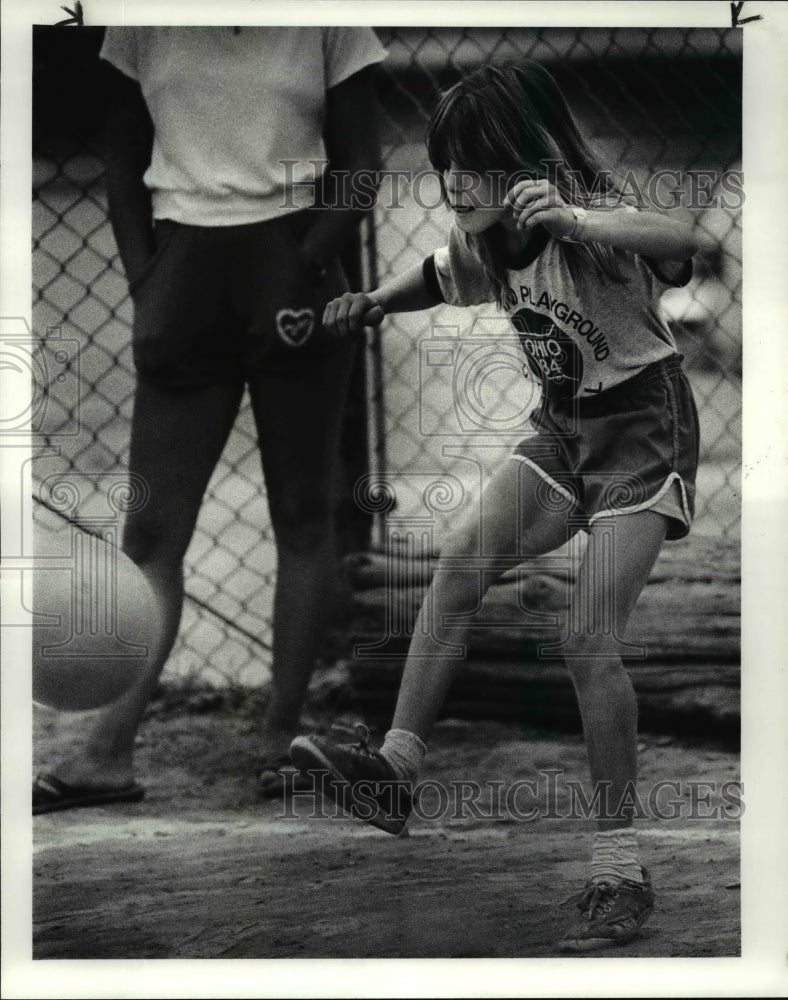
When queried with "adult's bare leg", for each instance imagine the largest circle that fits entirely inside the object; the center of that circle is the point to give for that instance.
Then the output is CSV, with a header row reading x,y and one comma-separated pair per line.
x,y
177,438
299,419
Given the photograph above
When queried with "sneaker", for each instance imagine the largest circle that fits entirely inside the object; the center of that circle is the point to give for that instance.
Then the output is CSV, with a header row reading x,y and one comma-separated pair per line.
x,y
277,778
357,777
609,914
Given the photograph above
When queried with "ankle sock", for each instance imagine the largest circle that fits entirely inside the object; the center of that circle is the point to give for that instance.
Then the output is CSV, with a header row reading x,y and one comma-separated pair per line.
x,y
405,752
615,857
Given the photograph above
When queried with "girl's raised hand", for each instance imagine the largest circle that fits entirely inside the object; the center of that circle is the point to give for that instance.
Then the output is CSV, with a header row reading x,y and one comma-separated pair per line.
x,y
538,202
350,313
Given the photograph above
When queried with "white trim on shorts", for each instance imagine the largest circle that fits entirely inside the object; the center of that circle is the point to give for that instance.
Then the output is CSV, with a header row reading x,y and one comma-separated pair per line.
x,y
634,509
567,494
648,504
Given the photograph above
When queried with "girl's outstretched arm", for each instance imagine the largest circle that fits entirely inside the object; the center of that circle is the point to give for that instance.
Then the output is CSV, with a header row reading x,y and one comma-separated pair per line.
x,y
648,233
353,311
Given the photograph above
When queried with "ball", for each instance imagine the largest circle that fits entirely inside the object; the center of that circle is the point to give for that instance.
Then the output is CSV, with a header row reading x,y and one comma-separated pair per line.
x,y
96,621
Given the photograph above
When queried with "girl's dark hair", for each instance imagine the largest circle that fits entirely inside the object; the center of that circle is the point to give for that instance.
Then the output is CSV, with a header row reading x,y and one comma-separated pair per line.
x,y
514,121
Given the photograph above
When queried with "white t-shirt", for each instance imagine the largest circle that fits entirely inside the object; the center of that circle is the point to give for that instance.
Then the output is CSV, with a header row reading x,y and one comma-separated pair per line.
x,y
228,106
575,344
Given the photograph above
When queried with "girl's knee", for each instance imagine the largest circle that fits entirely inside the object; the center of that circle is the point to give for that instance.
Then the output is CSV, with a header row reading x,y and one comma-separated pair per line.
x,y
592,659
463,576
461,543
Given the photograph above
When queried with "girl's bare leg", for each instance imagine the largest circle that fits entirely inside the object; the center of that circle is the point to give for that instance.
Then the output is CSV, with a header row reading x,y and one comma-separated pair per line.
x,y
620,554
508,525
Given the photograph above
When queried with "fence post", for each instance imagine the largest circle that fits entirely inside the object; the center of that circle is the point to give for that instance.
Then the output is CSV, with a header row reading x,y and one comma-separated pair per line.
x,y
354,524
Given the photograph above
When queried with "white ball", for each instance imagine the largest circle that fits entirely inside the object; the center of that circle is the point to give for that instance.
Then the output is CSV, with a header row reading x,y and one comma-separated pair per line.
x,y
96,623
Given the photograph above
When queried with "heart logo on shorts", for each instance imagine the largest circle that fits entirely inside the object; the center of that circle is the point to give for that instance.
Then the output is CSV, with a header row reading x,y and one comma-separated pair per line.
x,y
295,326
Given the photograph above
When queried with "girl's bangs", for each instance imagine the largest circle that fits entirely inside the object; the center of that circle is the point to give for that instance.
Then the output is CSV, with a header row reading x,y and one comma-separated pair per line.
x,y
465,134
454,136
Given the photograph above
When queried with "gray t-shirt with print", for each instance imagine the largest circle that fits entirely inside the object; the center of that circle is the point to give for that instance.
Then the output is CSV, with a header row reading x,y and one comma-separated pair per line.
x,y
577,343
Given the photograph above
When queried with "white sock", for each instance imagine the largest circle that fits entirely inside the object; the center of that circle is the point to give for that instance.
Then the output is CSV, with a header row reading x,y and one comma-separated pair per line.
x,y
615,857
405,752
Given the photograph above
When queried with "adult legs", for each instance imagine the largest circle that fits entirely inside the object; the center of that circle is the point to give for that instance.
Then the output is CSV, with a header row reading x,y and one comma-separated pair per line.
x,y
299,419
621,552
509,524
177,438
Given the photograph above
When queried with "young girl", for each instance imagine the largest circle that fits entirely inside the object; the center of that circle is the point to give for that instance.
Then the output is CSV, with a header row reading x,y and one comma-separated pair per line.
x,y
540,231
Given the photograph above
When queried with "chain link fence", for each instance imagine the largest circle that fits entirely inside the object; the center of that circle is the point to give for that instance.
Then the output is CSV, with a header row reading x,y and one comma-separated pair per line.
x,y
651,100
81,301
82,310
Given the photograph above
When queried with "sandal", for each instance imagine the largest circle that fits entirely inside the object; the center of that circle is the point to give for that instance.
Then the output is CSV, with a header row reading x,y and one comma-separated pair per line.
x,y
50,794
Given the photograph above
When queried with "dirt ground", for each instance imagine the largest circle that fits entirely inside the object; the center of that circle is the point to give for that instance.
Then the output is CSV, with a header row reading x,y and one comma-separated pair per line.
x,y
204,868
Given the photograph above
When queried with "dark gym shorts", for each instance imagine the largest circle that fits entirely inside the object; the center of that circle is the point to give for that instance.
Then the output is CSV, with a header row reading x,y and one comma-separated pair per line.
x,y
630,448
219,304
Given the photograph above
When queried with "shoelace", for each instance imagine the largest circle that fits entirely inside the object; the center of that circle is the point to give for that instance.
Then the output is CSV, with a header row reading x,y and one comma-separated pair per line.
x,y
598,897
364,740
592,897
364,744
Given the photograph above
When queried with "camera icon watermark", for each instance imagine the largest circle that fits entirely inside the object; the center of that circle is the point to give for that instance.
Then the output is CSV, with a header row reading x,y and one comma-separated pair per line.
x,y
474,383
40,378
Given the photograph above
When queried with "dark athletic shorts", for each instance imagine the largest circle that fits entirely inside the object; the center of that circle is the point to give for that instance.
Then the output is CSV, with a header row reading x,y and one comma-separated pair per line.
x,y
219,304
633,447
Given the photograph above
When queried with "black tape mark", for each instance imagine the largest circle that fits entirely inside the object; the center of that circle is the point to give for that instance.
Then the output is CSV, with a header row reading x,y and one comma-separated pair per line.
x,y
736,21
76,16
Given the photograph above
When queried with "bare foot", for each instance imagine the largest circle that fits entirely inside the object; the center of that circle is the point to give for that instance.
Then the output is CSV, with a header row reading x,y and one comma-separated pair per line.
x,y
87,771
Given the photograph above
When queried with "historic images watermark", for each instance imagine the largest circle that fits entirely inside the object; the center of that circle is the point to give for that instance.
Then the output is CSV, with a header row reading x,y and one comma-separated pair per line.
x,y
548,795
70,593
41,398
362,190
479,371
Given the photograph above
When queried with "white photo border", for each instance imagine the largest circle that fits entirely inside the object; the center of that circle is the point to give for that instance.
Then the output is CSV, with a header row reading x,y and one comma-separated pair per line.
x,y
761,970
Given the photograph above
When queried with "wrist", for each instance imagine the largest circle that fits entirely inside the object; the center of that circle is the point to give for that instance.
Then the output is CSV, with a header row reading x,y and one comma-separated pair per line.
x,y
378,298
580,216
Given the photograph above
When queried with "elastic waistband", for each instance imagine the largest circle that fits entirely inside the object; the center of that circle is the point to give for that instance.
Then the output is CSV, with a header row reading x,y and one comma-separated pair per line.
x,y
666,366
611,399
